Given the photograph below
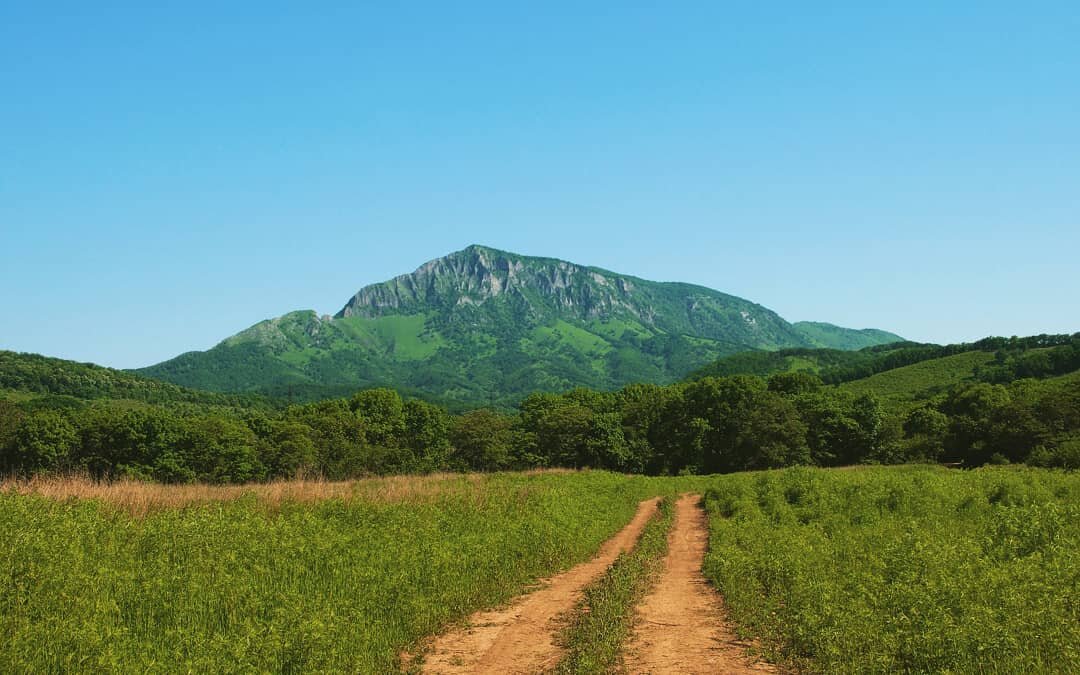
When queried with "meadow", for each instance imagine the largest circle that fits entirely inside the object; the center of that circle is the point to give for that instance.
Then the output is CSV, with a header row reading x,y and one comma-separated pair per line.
x,y
905,569
268,581
869,569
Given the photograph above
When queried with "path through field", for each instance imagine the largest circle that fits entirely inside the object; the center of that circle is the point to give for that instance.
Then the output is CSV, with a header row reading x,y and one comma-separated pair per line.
x,y
680,626
521,638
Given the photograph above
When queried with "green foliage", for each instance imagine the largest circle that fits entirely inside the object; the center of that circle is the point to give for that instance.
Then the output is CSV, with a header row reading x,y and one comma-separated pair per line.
x,y
729,424
912,570
827,335
41,442
221,450
329,587
907,371
1017,359
908,386
84,381
482,327
604,618
485,440
934,410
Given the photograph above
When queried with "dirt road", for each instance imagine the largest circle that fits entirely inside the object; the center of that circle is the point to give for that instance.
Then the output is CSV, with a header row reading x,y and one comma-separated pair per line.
x,y
680,625
521,638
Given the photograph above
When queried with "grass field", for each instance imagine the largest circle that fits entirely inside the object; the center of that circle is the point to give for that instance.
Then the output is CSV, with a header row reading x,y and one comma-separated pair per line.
x,y
863,570
262,583
903,569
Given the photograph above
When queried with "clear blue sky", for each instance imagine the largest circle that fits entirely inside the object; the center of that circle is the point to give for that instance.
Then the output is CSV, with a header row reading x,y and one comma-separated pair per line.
x,y
169,177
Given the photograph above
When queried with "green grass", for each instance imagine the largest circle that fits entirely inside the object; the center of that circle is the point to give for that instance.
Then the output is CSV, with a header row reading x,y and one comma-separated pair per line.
x,y
333,586
404,337
616,328
563,333
604,618
19,396
1062,381
801,364
903,569
904,388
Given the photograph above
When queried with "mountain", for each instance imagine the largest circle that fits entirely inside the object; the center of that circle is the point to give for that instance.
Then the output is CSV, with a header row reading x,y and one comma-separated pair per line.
x,y
828,336
483,326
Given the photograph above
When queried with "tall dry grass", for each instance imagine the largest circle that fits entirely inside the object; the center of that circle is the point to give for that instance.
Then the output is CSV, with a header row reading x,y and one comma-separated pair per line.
x,y
139,497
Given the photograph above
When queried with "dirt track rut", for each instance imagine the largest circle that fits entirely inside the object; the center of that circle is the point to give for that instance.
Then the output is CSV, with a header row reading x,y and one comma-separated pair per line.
x,y
680,625
520,638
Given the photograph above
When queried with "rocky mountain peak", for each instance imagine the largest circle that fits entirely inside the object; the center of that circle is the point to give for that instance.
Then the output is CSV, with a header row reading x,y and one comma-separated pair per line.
x,y
478,273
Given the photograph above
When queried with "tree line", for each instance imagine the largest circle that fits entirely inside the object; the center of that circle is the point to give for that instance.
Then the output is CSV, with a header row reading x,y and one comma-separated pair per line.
x,y
712,425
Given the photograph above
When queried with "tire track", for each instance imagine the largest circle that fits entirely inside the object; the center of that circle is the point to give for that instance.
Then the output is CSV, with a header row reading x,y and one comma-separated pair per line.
x,y
681,626
520,638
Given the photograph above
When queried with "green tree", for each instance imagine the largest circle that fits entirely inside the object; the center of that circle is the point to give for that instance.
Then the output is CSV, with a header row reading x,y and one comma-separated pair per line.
x,y
220,449
11,418
795,383
427,435
287,449
338,435
44,441
117,441
383,415
484,440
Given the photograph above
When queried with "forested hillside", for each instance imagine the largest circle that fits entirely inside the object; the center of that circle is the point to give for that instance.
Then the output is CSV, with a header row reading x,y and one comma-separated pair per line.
x,y
482,327
1020,403
56,379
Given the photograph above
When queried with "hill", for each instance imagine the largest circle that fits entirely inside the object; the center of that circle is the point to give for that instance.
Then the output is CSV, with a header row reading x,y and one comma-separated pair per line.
x,y
903,375
826,335
485,327
764,364
905,387
60,383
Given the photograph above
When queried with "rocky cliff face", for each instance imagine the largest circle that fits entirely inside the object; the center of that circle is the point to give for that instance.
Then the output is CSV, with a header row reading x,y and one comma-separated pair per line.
x,y
479,274
544,288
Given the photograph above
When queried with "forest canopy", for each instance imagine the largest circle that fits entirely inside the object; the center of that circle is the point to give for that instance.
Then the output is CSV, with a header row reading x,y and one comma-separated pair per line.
x,y
1016,408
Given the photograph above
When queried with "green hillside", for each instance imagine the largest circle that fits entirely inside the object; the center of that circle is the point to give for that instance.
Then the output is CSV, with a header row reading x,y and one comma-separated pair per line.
x,y
827,335
487,327
56,382
903,375
764,364
906,387
1019,402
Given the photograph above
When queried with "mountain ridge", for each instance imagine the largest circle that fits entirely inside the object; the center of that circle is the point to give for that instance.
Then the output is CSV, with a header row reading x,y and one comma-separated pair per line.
x,y
481,325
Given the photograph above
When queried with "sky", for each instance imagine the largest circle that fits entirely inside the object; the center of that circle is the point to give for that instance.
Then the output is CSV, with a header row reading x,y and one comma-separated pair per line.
x,y
170,175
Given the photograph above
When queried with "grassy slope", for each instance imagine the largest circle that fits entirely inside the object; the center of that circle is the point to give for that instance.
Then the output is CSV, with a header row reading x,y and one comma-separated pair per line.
x,y
827,335
764,364
414,354
339,586
1069,380
905,387
903,569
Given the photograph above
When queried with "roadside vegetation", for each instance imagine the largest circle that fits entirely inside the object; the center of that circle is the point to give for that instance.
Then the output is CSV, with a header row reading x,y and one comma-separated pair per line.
x,y
912,569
